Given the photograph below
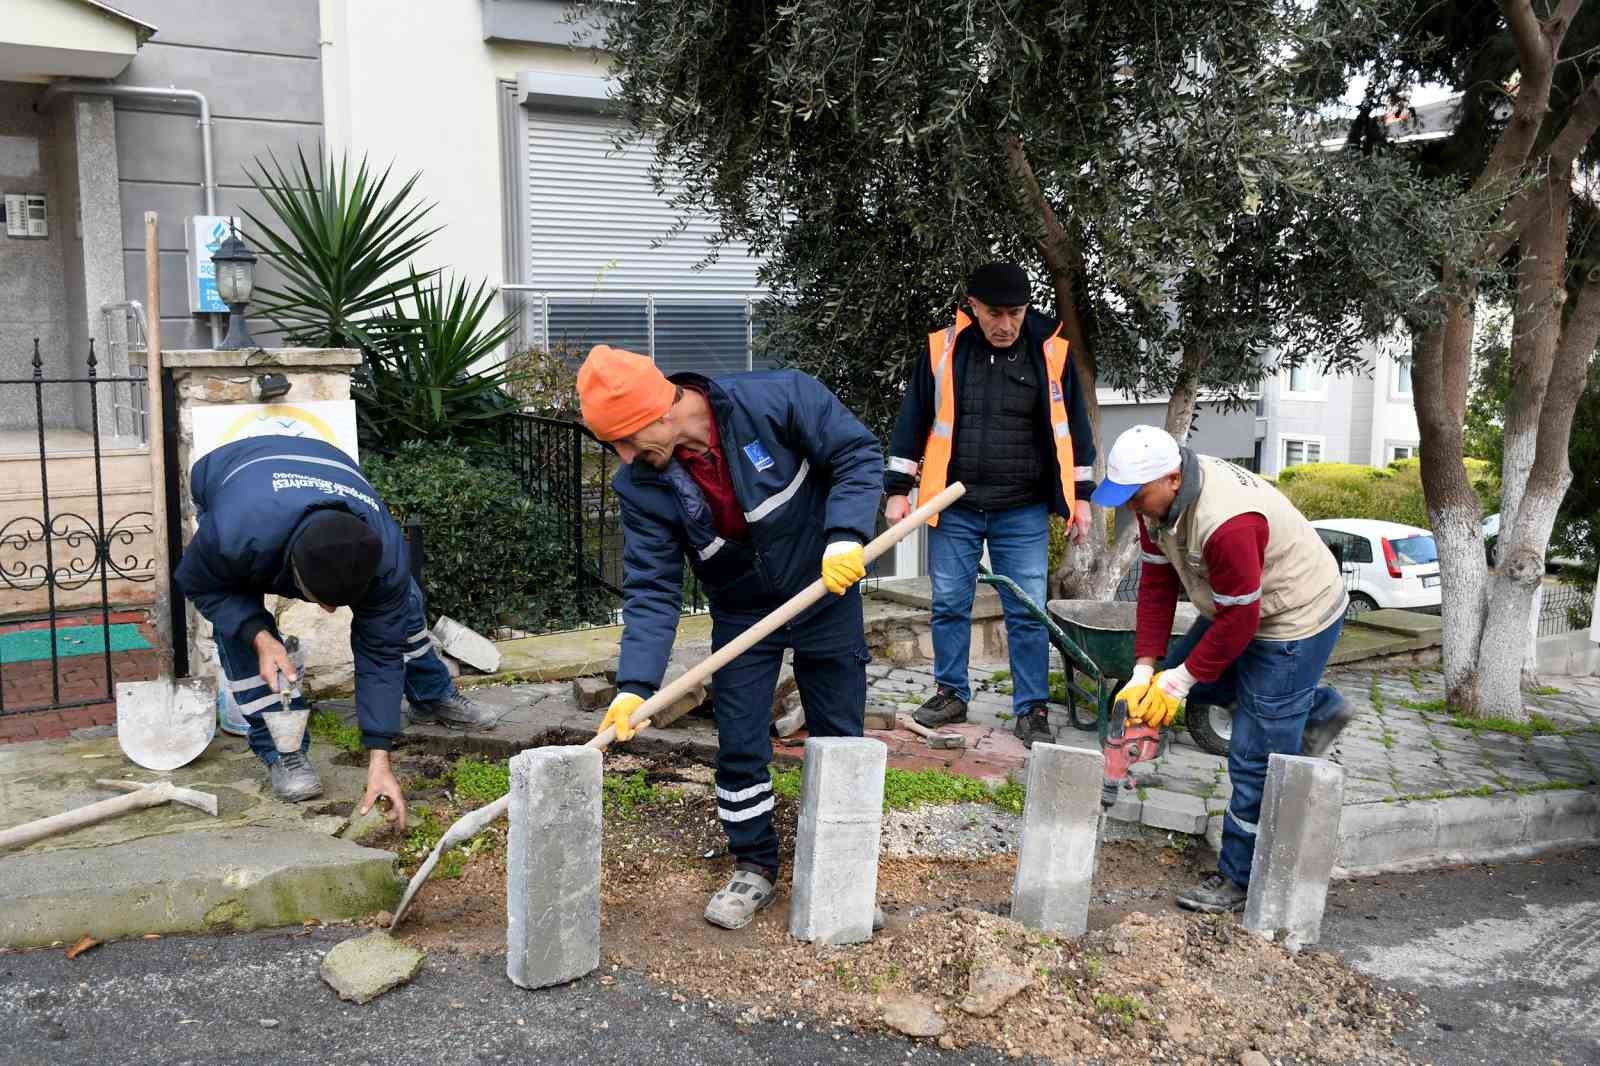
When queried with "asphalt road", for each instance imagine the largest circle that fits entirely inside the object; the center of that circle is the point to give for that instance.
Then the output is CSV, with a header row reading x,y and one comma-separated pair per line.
x,y
1506,958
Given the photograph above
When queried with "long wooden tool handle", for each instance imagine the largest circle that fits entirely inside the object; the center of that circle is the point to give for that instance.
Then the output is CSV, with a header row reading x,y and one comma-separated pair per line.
x,y
803,599
155,419
78,817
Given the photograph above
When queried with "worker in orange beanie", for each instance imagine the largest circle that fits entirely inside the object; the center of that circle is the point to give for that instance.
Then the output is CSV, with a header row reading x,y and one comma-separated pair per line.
x,y
762,481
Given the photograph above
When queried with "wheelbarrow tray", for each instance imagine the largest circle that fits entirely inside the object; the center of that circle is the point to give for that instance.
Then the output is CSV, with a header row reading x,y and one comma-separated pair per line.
x,y
1105,630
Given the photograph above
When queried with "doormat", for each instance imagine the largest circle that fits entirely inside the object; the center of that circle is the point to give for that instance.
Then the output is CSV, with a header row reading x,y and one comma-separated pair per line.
x,y
31,645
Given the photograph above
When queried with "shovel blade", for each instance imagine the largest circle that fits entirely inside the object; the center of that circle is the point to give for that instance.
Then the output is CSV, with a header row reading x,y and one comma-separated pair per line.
x,y
165,724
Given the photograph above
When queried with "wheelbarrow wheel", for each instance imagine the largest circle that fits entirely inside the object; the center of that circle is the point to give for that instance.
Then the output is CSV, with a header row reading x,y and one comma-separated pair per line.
x,y
1210,727
1083,714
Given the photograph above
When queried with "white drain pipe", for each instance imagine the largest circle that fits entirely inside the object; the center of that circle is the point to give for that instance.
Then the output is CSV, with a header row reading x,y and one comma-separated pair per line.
x,y
151,92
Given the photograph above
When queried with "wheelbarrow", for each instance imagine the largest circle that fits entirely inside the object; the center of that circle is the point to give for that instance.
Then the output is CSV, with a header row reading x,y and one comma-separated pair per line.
x,y
1096,639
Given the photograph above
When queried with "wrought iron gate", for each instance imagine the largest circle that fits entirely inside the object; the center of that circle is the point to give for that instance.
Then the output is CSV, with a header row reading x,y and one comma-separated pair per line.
x,y
59,562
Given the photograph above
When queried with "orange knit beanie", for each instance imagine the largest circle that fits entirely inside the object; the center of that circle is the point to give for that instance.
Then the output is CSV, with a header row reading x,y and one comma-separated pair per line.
x,y
621,392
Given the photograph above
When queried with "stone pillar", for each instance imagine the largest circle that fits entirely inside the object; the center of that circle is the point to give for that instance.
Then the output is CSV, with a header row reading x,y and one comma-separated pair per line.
x,y
1060,825
205,378
836,845
1297,840
553,866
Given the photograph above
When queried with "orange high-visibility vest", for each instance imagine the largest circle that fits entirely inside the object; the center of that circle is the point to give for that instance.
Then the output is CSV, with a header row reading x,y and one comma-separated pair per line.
x,y
941,438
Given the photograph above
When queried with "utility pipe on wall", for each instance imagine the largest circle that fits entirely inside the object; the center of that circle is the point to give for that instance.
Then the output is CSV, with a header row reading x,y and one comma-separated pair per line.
x,y
152,92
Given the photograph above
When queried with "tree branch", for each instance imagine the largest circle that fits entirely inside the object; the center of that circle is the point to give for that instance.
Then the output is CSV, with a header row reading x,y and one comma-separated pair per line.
x,y
1536,51
1582,121
1055,243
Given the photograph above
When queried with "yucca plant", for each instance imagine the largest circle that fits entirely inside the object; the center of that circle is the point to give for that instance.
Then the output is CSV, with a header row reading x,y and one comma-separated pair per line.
x,y
337,238
419,381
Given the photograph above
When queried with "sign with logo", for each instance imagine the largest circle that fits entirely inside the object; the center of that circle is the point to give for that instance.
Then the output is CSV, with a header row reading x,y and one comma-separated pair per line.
x,y
333,421
203,236
758,455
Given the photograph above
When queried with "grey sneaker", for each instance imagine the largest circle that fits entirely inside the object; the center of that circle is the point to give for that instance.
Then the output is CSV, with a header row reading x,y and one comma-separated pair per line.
x,y
942,708
293,778
455,711
1215,894
747,894
1033,725
1318,738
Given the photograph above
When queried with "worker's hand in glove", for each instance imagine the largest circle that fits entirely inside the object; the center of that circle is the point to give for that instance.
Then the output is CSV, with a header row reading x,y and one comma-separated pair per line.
x,y
618,713
1159,704
1133,692
843,564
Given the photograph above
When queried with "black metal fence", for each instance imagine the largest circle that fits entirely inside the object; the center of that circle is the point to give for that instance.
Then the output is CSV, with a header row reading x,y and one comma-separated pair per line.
x,y
1564,609
60,552
562,466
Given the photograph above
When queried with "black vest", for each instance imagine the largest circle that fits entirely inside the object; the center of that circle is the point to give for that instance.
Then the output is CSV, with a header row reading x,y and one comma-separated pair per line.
x,y
997,444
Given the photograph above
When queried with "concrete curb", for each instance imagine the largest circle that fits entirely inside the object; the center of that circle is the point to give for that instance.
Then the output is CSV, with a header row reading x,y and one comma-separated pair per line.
x,y
1421,834
217,881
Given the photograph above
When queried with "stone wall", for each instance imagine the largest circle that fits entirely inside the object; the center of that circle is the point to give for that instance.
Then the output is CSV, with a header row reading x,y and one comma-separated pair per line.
x,y
204,378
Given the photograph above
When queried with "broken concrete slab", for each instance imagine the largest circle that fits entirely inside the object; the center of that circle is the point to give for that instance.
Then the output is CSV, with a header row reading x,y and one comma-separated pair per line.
x,y
460,642
363,969
912,1016
593,693
992,987
791,722
212,881
362,828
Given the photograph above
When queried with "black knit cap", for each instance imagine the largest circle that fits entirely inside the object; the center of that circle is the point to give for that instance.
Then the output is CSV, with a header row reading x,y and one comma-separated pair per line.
x,y
335,557
1000,285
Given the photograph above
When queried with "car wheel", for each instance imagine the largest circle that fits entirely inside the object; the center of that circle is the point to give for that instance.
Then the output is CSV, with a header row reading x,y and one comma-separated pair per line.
x,y
1210,727
1360,604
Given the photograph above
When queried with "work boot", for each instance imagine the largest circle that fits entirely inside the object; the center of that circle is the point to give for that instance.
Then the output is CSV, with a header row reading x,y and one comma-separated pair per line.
x,y
293,779
1033,725
1318,738
455,711
941,709
748,893
1215,894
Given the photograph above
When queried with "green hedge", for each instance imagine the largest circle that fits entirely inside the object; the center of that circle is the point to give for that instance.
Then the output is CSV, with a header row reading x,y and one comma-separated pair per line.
x,y
492,555
1392,493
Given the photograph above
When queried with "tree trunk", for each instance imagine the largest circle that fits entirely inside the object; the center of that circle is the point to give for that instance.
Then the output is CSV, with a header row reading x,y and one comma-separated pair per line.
x,y
1439,358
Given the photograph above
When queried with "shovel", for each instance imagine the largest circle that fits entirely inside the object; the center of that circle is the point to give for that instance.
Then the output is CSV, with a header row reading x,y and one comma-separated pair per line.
x,y
469,825
161,724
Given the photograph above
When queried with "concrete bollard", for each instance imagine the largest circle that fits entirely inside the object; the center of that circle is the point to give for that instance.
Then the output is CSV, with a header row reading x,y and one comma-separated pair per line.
x,y
1060,825
1297,841
553,866
836,845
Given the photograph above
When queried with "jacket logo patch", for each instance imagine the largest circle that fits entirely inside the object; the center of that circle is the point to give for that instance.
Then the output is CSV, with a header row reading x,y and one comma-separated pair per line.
x,y
1055,392
758,456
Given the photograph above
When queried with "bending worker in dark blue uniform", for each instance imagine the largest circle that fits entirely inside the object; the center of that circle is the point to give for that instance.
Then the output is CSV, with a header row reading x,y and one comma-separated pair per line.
x,y
760,480
293,517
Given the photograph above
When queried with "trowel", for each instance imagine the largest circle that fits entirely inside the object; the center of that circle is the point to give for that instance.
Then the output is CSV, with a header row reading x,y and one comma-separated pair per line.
x,y
288,726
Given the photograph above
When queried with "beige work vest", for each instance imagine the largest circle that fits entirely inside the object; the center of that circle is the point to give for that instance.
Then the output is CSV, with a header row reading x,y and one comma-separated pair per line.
x,y
1302,590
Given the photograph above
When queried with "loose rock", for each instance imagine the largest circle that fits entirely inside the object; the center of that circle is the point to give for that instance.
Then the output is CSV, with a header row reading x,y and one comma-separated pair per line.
x,y
991,988
912,1015
1253,1058
363,969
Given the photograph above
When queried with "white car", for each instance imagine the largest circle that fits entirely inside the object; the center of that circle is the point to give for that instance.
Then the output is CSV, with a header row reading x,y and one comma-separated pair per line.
x,y
1385,564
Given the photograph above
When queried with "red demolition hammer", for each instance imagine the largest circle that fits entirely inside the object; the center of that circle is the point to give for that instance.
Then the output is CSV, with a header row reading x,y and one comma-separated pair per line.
x,y
1126,744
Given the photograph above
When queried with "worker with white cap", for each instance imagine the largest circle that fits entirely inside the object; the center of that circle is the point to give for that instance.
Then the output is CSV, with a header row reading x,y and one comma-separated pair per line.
x,y
1272,604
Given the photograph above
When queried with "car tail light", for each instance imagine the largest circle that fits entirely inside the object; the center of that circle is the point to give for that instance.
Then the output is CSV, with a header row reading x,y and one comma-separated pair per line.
x,y
1390,559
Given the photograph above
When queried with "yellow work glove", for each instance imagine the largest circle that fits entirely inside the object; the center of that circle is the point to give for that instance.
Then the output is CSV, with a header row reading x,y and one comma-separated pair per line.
x,y
1161,700
618,713
1133,692
843,564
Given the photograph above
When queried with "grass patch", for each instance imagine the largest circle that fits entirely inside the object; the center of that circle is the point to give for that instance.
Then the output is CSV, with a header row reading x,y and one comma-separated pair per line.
x,y
907,789
1375,695
1125,1007
1549,786
1424,705
624,794
423,834
999,676
1536,725
1416,680
1092,965
477,781
1545,690
1387,740
330,729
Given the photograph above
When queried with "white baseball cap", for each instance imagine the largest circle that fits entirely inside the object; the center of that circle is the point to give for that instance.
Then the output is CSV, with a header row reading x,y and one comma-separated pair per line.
x,y
1141,455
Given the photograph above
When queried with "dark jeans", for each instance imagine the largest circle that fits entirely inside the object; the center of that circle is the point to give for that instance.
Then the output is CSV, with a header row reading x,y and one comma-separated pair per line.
x,y
830,668
1275,689
427,678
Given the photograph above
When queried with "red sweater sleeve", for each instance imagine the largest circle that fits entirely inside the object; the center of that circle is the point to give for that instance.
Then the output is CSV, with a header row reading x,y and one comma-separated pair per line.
x,y
1235,556
1158,599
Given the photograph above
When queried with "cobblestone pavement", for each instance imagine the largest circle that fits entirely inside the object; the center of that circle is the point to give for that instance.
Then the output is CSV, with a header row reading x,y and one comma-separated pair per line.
x,y
1402,744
